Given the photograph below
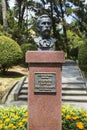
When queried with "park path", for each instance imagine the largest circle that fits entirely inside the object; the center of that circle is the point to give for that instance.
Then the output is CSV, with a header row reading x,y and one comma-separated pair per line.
x,y
74,89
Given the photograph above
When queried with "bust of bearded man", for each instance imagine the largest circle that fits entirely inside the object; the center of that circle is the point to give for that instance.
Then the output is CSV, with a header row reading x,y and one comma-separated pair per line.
x,y
44,41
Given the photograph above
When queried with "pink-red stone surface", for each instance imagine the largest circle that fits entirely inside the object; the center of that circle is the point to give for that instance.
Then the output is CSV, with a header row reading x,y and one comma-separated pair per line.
x,y
44,108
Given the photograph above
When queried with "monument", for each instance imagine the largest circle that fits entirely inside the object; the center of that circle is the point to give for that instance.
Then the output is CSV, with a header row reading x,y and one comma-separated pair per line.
x,y
44,88
44,41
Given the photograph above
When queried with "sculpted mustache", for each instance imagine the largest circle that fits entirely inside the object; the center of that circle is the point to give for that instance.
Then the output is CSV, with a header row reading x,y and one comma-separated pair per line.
x,y
46,29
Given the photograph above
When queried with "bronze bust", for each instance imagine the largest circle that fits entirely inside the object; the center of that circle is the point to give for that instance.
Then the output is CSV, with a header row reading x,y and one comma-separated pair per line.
x,y
44,41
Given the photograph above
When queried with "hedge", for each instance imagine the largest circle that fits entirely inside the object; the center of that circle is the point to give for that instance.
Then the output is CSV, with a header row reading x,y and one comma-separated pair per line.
x,y
82,57
10,53
28,47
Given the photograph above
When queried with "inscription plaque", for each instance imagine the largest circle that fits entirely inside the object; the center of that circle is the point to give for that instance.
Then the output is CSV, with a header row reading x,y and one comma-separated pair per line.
x,y
45,82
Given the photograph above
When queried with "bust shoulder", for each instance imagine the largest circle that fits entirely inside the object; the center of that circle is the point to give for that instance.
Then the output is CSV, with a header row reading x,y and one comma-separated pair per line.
x,y
37,39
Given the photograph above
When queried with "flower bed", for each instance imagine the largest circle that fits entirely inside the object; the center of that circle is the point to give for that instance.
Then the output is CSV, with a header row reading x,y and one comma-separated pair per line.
x,y
15,118
73,118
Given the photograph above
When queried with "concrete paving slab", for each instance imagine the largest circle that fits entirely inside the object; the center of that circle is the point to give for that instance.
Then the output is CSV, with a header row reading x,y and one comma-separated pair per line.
x,y
71,74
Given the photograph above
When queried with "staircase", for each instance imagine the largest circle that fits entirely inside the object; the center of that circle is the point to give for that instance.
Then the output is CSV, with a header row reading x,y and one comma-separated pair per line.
x,y
70,92
74,93
73,86
23,95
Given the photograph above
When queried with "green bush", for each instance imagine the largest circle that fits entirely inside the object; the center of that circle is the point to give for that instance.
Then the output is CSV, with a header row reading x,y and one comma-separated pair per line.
x,y
74,41
13,118
27,46
10,53
82,57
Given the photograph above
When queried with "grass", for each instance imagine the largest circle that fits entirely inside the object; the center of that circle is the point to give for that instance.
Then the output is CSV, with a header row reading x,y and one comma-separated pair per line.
x,y
13,74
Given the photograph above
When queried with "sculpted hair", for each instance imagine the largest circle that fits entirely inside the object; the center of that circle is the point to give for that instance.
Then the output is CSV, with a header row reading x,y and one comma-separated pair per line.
x,y
39,20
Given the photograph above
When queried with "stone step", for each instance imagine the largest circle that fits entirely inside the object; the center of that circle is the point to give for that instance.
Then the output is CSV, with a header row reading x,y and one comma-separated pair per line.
x,y
73,87
23,97
74,98
71,91
74,93
65,86
64,91
26,82
24,92
64,98
25,86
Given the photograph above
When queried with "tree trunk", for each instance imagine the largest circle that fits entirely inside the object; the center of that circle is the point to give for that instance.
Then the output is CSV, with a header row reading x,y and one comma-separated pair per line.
x,y
64,29
4,15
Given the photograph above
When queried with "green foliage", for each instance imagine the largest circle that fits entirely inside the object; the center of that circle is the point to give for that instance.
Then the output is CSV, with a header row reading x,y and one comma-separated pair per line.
x,y
73,118
28,46
10,53
82,57
16,118
74,42
13,118
21,20
4,32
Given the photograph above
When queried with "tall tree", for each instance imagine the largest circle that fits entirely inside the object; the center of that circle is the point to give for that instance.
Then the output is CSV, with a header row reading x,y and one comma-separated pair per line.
x,y
58,10
4,15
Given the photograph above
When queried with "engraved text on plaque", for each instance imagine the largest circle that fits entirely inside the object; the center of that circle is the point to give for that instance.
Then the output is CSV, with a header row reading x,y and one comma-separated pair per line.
x,y
45,82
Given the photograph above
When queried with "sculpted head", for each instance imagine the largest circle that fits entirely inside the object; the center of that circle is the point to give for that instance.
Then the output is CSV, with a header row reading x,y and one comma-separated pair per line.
x,y
44,26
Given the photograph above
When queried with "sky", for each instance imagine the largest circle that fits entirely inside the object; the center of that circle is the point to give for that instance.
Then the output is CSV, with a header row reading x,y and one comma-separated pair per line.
x,y
13,1
68,19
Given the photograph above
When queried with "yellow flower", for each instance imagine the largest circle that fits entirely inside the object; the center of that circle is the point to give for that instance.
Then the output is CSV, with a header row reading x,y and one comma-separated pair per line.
x,y
4,117
85,119
24,120
10,125
16,117
12,114
75,117
83,113
1,126
14,127
68,117
80,125
7,120
0,121
20,124
71,113
26,114
63,110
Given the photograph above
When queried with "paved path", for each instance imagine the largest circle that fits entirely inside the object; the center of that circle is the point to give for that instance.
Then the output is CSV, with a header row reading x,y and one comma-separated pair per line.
x,y
71,74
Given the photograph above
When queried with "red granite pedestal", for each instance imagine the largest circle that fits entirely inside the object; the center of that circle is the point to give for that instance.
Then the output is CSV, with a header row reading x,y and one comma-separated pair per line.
x,y
44,90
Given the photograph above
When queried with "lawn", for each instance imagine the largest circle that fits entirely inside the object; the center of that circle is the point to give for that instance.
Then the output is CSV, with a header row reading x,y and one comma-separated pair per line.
x,y
13,74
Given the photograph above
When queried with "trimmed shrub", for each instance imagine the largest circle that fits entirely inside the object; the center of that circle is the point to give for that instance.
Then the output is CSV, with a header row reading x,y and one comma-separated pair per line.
x,y
27,46
74,42
82,57
10,53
